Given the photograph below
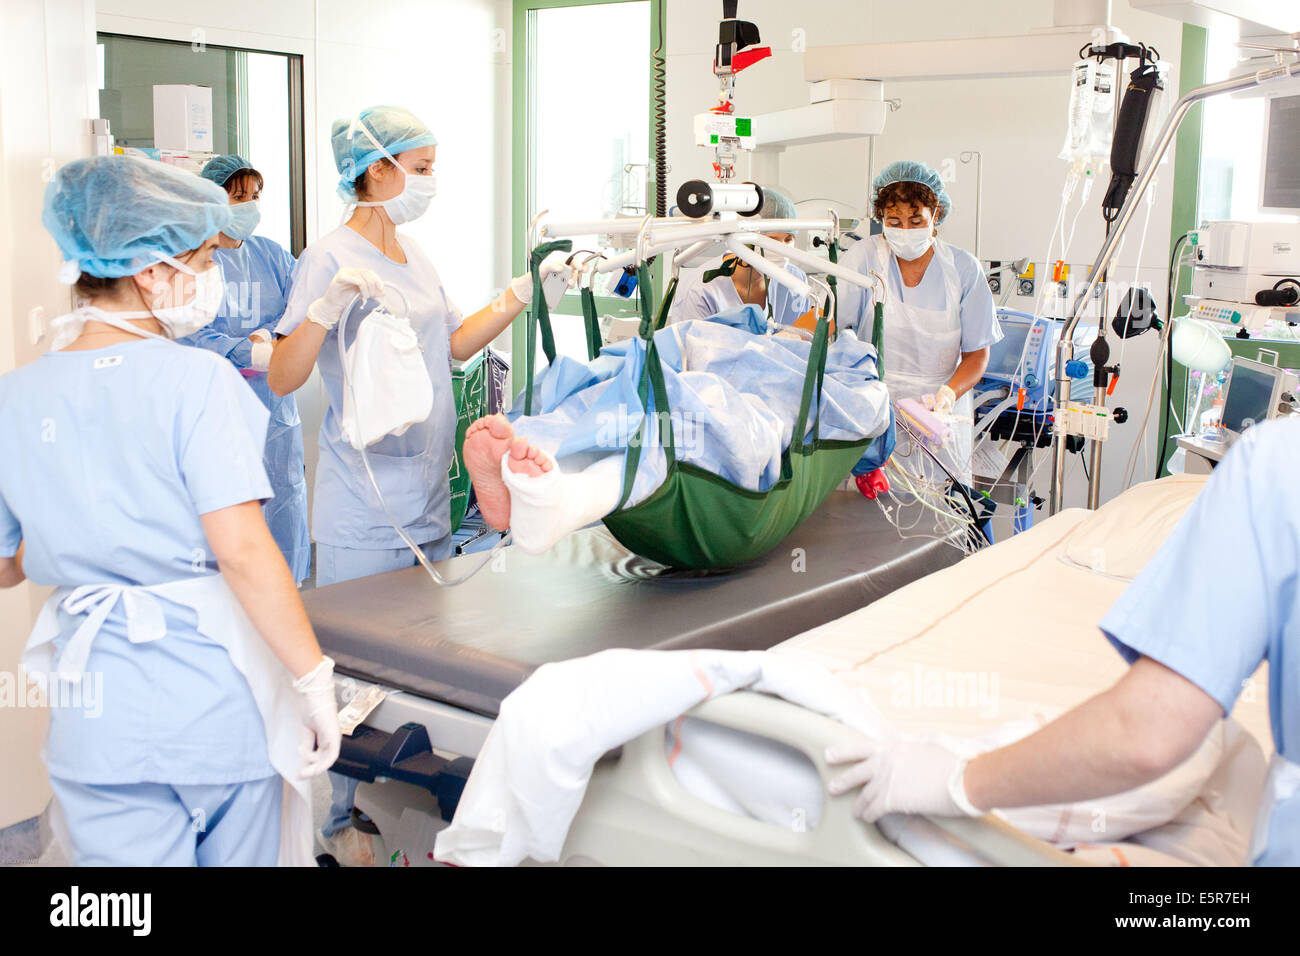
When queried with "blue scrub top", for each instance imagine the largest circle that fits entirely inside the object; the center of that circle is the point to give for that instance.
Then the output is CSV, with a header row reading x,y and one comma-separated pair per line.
x,y
257,276
412,468
698,299
979,320
1223,594
112,455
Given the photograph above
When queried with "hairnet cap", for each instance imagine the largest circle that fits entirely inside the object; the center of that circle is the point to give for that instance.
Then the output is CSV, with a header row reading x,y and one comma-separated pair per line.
x,y
219,169
112,215
776,204
910,171
396,129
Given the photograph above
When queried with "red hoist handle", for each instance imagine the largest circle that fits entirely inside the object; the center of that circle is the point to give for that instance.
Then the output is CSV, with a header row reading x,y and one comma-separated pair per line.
x,y
747,58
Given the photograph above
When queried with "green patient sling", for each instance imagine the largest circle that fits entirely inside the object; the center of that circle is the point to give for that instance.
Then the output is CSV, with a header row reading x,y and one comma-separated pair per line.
x,y
696,519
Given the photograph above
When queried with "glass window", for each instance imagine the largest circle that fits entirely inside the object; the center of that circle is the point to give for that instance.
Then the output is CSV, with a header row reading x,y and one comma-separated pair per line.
x,y
1232,157
251,95
587,126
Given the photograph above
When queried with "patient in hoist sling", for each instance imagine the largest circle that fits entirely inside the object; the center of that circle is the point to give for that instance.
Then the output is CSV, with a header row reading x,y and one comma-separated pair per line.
x,y
717,447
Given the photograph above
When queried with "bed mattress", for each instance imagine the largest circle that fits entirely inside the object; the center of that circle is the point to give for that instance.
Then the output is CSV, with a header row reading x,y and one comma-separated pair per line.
x,y
470,645
1010,635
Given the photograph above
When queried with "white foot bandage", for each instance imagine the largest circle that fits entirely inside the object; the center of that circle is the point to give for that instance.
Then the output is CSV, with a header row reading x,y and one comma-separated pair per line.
x,y
544,508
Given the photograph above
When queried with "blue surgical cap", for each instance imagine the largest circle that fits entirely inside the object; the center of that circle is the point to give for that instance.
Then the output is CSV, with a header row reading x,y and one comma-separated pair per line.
x,y
776,205
219,169
113,215
397,130
909,171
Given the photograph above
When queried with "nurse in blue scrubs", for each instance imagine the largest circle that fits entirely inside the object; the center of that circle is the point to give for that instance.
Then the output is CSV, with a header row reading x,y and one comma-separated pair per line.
x,y
940,322
189,697
385,158
257,272
1220,597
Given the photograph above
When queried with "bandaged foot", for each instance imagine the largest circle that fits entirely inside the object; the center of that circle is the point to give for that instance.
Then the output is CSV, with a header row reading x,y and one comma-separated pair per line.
x,y
546,504
486,442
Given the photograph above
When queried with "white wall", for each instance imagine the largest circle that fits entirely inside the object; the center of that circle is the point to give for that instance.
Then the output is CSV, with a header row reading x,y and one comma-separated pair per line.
x,y
447,60
46,97
1018,125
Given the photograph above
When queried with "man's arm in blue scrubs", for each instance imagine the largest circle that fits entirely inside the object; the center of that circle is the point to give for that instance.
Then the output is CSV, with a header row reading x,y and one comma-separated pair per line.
x,y
1196,624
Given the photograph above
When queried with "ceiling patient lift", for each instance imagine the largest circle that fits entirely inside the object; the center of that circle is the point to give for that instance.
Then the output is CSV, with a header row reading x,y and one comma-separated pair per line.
x,y
722,219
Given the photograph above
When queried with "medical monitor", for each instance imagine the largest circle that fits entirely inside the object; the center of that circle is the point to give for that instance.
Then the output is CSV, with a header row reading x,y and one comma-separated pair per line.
x,y
1279,188
1004,356
1252,394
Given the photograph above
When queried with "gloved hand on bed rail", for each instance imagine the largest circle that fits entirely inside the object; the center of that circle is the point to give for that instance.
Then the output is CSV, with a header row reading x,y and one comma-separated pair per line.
x,y
902,775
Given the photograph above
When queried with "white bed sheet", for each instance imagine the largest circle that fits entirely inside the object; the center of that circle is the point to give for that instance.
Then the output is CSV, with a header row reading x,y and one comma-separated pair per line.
x,y
1009,635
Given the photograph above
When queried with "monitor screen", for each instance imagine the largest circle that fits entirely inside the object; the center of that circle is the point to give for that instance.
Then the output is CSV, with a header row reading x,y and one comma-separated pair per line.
x,y
1280,188
1004,356
1250,394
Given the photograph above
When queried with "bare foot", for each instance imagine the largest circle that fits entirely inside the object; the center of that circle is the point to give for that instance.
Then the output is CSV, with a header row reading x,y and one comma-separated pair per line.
x,y
527,460
485,442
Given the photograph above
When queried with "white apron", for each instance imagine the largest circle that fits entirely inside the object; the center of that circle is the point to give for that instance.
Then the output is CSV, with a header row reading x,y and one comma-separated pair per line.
x,y
922,349
222,620
1281,784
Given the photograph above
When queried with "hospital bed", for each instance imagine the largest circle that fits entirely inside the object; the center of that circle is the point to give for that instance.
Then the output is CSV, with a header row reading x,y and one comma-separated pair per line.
x,y
449,656
1025,610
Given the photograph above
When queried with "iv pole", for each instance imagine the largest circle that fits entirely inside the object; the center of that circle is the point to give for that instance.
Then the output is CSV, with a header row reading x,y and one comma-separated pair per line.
x,y
1065,347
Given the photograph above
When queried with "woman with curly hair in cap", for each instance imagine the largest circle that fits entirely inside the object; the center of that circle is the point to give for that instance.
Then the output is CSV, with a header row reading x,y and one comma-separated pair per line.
x,y
939,314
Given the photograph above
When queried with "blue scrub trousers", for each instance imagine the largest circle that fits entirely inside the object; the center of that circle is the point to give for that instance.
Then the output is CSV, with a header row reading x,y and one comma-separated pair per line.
x,y
160,824
335,564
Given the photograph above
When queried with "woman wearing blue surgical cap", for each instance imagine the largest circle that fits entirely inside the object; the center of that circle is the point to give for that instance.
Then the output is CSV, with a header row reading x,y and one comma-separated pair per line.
x,y
187,689
939,314
385,159
734,284
257,272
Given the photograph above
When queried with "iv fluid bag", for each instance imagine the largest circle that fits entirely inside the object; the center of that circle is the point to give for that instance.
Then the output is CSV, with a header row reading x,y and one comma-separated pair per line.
x,y
1157,113
1091,115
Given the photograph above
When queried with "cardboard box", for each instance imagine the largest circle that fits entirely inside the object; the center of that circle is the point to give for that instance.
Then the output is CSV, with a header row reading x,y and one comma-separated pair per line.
x,y
182,118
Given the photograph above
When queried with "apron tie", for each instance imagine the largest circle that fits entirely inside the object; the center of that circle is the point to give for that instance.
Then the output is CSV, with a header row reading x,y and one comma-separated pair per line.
x,y
144,622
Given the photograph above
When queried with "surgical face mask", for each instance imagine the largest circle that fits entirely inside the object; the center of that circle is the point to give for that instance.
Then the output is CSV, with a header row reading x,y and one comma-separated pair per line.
x,y
182,320
417,191
776,258
244,217
909,244
177,321
413,201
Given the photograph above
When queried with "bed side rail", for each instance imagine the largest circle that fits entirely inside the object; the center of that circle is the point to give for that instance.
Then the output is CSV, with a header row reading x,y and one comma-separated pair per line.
x,y
637,812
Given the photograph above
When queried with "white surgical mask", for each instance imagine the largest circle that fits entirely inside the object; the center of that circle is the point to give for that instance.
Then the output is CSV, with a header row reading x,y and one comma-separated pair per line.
x,y
183,320
244,217
909,244
778,259
417,191
412,202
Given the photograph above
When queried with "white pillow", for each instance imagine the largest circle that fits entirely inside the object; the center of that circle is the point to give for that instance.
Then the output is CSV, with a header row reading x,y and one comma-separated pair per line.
x,y
1124,534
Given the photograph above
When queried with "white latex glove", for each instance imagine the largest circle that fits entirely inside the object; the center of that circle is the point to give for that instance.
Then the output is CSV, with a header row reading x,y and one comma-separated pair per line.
x,y
944,400
347,283
322,716
260,358
902,776
556,275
